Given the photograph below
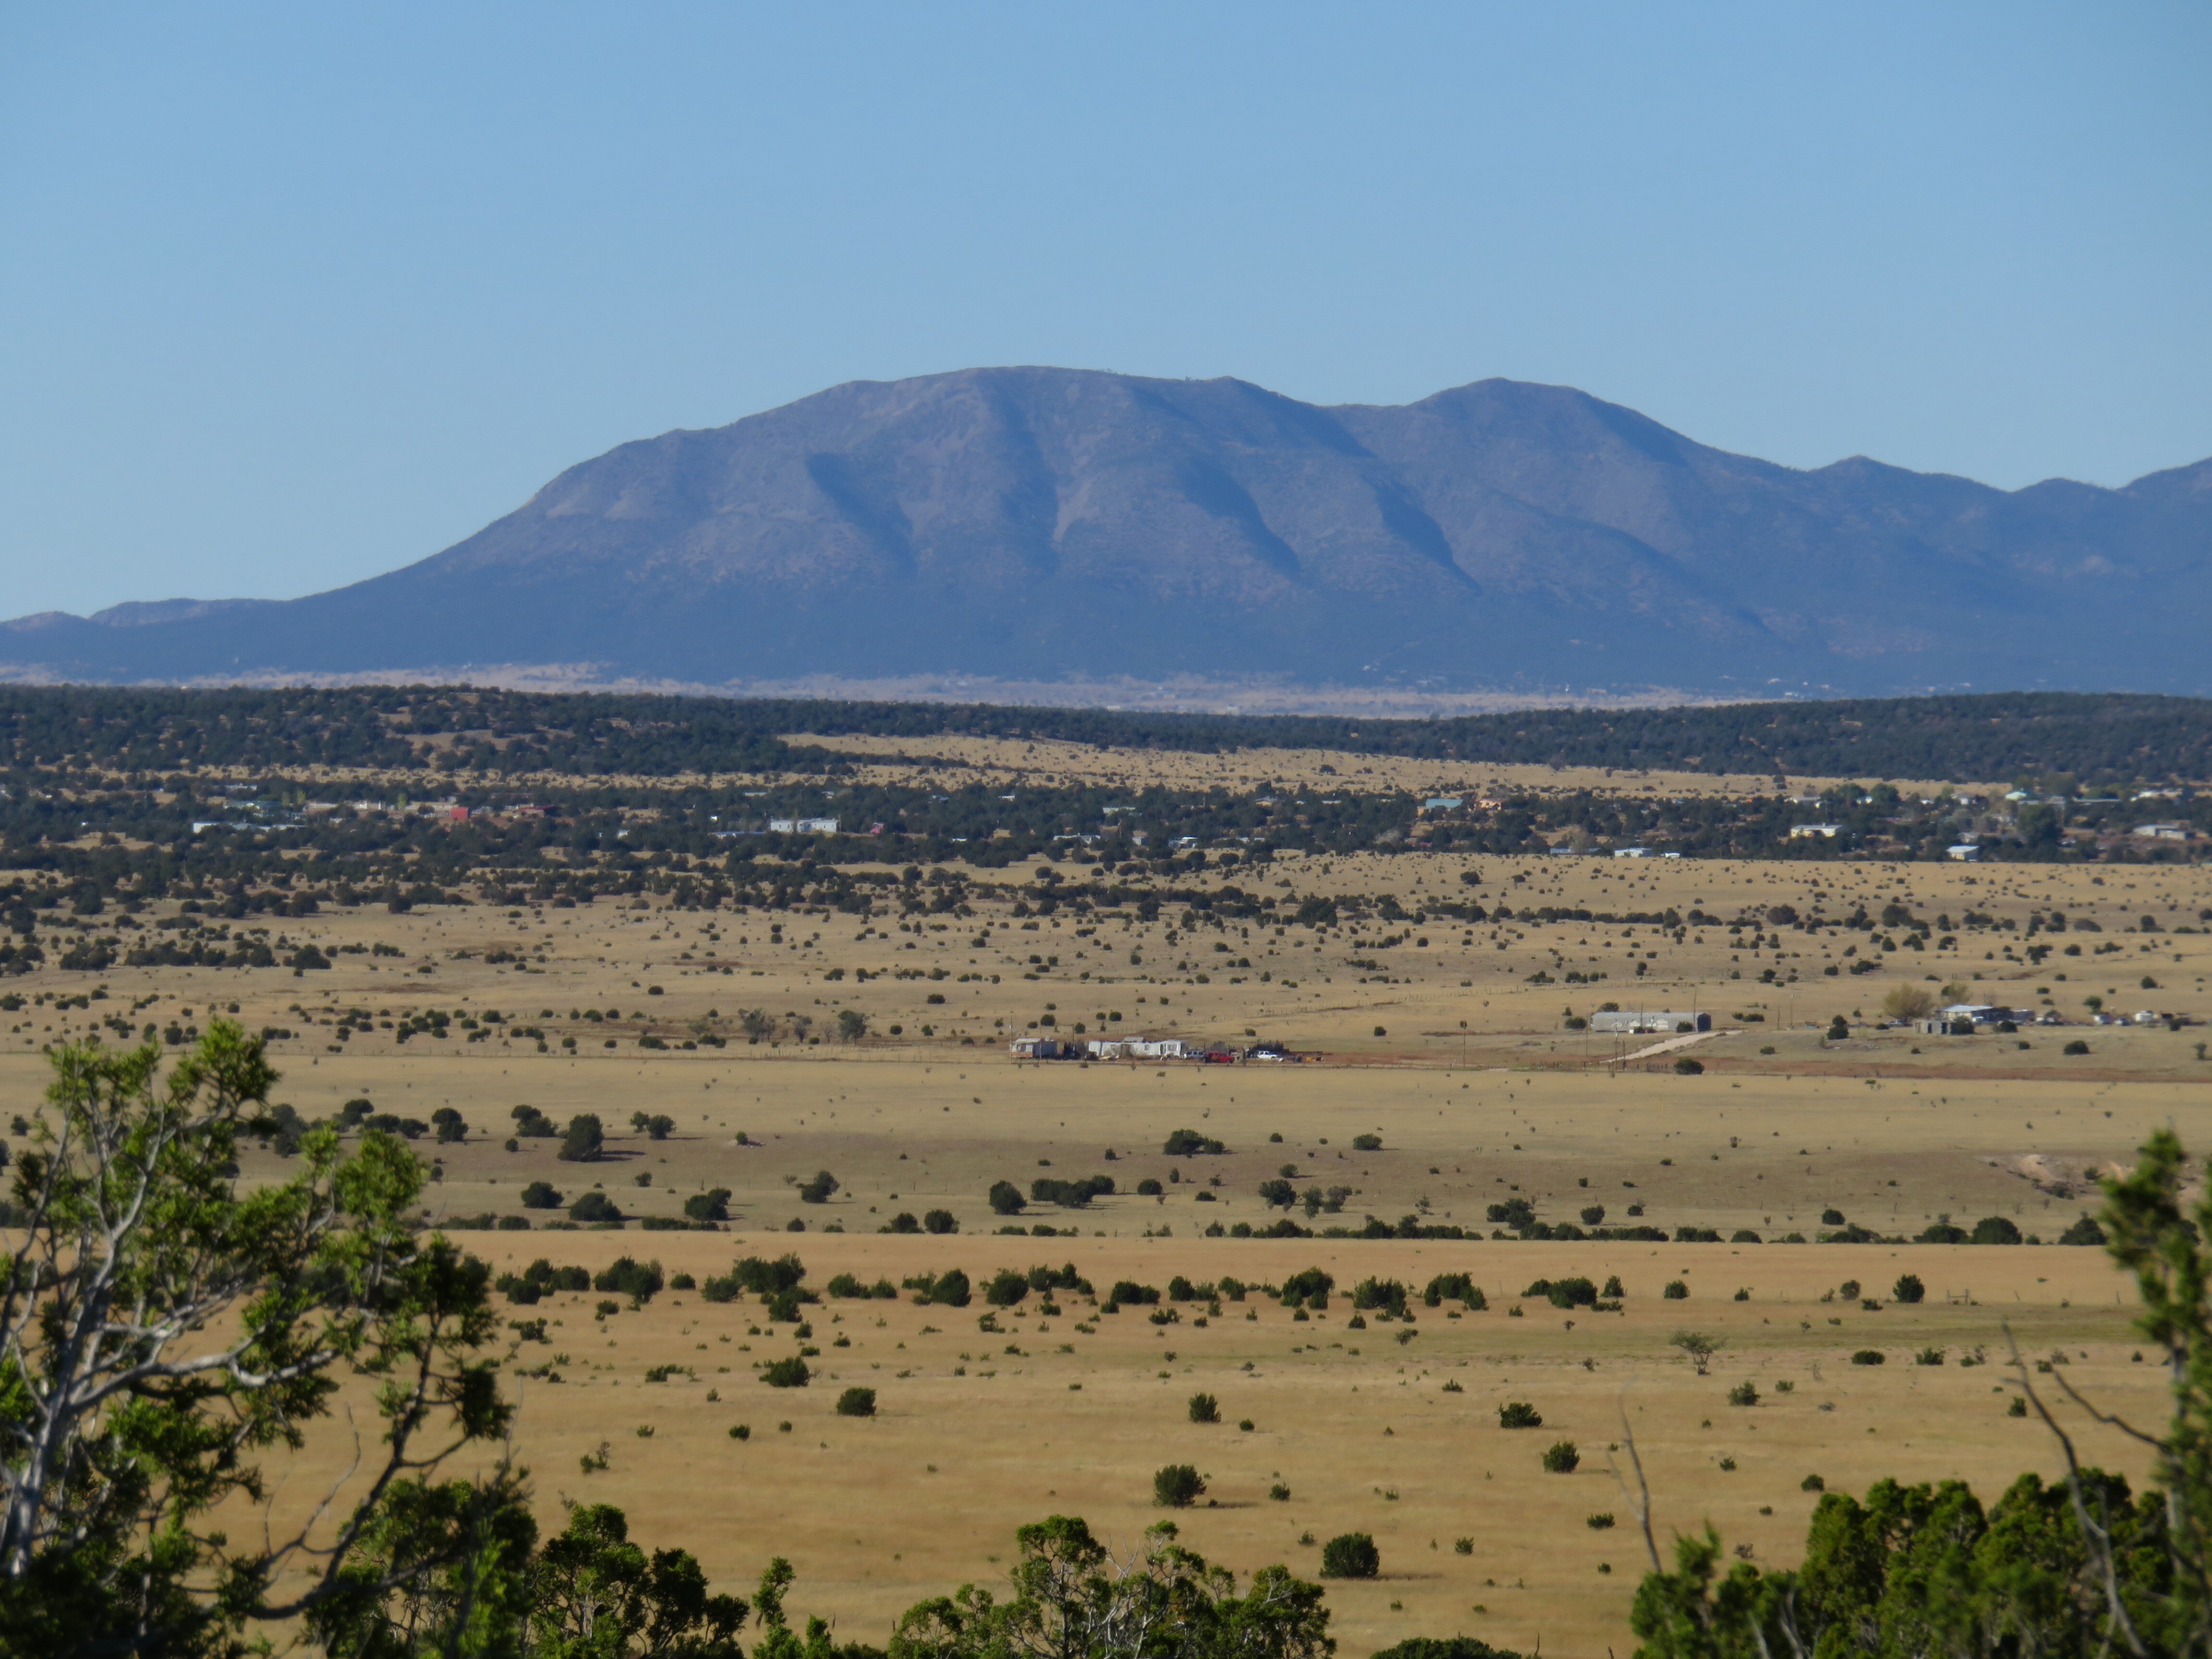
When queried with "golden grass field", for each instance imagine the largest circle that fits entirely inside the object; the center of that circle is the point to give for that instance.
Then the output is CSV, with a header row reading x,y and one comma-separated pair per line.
x,y
979,1432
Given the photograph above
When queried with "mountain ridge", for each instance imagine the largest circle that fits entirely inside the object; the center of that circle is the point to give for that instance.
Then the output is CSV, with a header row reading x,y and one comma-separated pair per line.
x,y
1036,523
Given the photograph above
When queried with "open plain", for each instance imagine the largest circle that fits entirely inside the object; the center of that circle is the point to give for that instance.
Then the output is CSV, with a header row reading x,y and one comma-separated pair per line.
x,y
1446,1041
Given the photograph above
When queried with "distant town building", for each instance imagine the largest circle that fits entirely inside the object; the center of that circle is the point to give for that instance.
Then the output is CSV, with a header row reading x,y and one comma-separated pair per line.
x,y
1645,1021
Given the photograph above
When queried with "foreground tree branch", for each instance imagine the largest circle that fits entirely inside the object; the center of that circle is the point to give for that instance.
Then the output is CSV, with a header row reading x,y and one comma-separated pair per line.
x,y
160,1326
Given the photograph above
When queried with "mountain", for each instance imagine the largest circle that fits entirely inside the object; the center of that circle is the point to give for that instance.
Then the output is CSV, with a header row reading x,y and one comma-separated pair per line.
x,y
1059,525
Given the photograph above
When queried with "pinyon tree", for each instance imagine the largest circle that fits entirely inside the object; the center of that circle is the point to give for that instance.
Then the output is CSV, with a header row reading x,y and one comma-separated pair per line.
x,y
162,1328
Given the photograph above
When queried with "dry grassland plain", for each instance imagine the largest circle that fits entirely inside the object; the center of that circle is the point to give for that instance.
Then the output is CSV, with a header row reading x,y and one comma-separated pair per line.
x,y
1440,1044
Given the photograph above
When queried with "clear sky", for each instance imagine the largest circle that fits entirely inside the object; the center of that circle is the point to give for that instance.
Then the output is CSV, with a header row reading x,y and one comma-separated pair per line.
x,y
291,295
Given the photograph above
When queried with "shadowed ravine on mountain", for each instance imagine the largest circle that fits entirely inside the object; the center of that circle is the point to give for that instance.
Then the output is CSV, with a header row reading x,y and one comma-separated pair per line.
x,y
1056,523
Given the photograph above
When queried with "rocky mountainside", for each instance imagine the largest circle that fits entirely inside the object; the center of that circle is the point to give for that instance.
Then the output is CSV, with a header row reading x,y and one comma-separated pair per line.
x,y
1056,524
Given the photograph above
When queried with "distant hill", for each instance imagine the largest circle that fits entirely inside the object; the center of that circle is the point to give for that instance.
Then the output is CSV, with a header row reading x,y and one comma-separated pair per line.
x,y
1044,524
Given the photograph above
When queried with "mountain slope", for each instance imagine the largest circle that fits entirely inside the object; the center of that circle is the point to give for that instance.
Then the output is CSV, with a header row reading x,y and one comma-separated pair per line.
x,y
1046,523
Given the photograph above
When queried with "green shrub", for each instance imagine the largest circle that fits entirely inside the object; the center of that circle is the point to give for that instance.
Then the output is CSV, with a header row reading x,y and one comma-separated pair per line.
x,y
1744,1393
1457,1287
1366,1144
1602,1521
540,1196
1189,1142
1869,1356
1351,1555
2085,1230
1519,1414
1309,1289
2077,1047
1812,1483
764,1278
1994,1229
1561,1457
594,1207
857,1402
1177,1487
709,1206
1005,1198
584,1139
1205,1408
819,1189
1128,1293
1386,1294
950,1289
1676,1290
1685,1066
787,1373
939,1222
741,1431
1006,1288
1279,1494
627,1277
1908,1289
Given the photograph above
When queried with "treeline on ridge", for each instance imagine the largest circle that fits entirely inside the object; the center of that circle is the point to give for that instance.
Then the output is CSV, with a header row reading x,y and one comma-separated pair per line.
x,y
2102,738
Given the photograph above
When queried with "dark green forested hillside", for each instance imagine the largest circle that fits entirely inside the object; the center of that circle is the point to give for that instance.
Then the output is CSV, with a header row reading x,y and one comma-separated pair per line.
x,y
2096,739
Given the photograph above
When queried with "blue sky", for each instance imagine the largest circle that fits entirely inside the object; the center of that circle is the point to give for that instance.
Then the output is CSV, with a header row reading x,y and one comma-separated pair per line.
x,y
292,294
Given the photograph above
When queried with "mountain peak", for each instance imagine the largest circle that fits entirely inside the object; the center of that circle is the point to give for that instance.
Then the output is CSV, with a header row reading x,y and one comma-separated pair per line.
x,y
1036,523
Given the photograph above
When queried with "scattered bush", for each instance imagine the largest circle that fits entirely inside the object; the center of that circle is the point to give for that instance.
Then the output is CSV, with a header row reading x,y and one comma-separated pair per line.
x,y
1519,1414
819,1189
1685,1066
713,1205
584,1140
2083,1231
2077,1047
1994,1229
787,1373
939,1222
1070,1194
540,1196
1908,1289
1602,1521
1744,1393
1005,1198
1177,1487
1351,1555
1676,1290
1869,1356
1366,1144
1565,1292
595,1207
1561,1457
1189,1142
1205,1408
1279,1494
1458,1287
857,1402
1387,1295
1006,1288
626,1277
